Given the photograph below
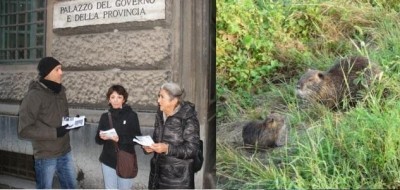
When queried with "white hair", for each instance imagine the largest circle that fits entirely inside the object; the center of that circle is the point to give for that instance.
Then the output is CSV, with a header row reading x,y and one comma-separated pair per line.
x,y
174,90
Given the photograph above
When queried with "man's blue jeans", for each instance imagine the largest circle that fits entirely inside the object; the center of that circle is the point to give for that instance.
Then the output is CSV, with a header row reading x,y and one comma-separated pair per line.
x,y
45,169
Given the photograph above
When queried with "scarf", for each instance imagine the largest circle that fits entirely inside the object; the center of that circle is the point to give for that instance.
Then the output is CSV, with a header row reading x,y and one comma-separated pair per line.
x,y
55,87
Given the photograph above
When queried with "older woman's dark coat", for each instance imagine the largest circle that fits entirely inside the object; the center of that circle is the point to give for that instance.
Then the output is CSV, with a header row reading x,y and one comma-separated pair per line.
x,y
174,170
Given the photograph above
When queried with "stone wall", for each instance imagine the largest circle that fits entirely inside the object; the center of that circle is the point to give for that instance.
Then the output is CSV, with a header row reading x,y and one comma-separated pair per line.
x,y
143,49
89,88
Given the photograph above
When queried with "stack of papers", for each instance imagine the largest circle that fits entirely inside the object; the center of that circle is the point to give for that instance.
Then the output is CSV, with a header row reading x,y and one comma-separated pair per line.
x,y
73,122
109,133
144,140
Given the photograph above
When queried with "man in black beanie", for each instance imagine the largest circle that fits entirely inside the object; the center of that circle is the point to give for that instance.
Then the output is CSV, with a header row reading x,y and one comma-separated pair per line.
x,y
40,118
46,65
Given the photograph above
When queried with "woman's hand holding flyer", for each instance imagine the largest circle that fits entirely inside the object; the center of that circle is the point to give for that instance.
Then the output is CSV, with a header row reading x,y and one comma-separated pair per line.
x,y
109,133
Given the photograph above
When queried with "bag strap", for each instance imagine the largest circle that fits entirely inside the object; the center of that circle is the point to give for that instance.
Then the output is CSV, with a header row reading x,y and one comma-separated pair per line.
x,y
111,126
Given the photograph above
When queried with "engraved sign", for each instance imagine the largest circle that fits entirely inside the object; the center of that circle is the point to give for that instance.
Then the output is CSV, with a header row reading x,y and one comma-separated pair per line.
x,y
93,12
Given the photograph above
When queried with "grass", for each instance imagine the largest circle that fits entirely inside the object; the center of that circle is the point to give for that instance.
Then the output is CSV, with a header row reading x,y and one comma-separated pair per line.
x,y
356,148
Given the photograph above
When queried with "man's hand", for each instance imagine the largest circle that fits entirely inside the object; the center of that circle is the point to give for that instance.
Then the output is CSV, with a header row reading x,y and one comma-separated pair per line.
x,y
79,116
61,131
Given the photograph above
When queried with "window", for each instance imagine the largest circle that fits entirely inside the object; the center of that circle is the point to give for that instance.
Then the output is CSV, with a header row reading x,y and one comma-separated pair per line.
x,y
22,30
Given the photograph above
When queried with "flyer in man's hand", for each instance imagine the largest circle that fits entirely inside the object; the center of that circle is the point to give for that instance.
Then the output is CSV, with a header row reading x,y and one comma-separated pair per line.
x,y
144,140
73,122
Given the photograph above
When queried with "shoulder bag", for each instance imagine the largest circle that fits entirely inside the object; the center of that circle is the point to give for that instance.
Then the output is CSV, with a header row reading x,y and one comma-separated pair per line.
x,y
199,158
126,162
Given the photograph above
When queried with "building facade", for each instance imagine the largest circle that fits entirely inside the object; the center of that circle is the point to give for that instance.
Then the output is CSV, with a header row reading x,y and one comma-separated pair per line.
x,y
139,44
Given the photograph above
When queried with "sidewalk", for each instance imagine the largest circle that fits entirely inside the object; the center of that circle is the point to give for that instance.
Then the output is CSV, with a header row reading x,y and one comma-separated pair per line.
x,y
11,182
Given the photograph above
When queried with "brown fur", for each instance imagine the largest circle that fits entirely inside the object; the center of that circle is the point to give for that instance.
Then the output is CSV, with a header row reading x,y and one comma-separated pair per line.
x,y
271,132
338,83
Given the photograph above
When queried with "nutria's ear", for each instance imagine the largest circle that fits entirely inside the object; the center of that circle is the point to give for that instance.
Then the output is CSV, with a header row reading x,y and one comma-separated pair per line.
x,y
321,75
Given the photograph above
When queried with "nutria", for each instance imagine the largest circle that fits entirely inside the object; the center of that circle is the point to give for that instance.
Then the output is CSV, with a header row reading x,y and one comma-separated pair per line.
x,y
341,82
271,132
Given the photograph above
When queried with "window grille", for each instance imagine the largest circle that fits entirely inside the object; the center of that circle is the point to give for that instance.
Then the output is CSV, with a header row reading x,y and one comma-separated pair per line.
x,y
17,164
22,30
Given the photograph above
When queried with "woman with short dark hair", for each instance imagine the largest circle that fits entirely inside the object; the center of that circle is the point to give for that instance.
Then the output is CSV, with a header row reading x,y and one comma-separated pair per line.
x,y
126,124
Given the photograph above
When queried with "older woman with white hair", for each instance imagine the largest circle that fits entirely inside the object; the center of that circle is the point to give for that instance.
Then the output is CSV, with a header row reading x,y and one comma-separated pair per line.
x,y
176,137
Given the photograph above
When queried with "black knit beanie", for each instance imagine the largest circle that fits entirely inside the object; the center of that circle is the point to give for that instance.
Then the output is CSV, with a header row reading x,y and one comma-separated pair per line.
x,y
46,65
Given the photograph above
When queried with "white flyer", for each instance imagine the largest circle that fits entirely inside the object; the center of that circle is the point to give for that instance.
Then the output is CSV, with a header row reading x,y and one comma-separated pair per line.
x,y
73,122
109,133
144,140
